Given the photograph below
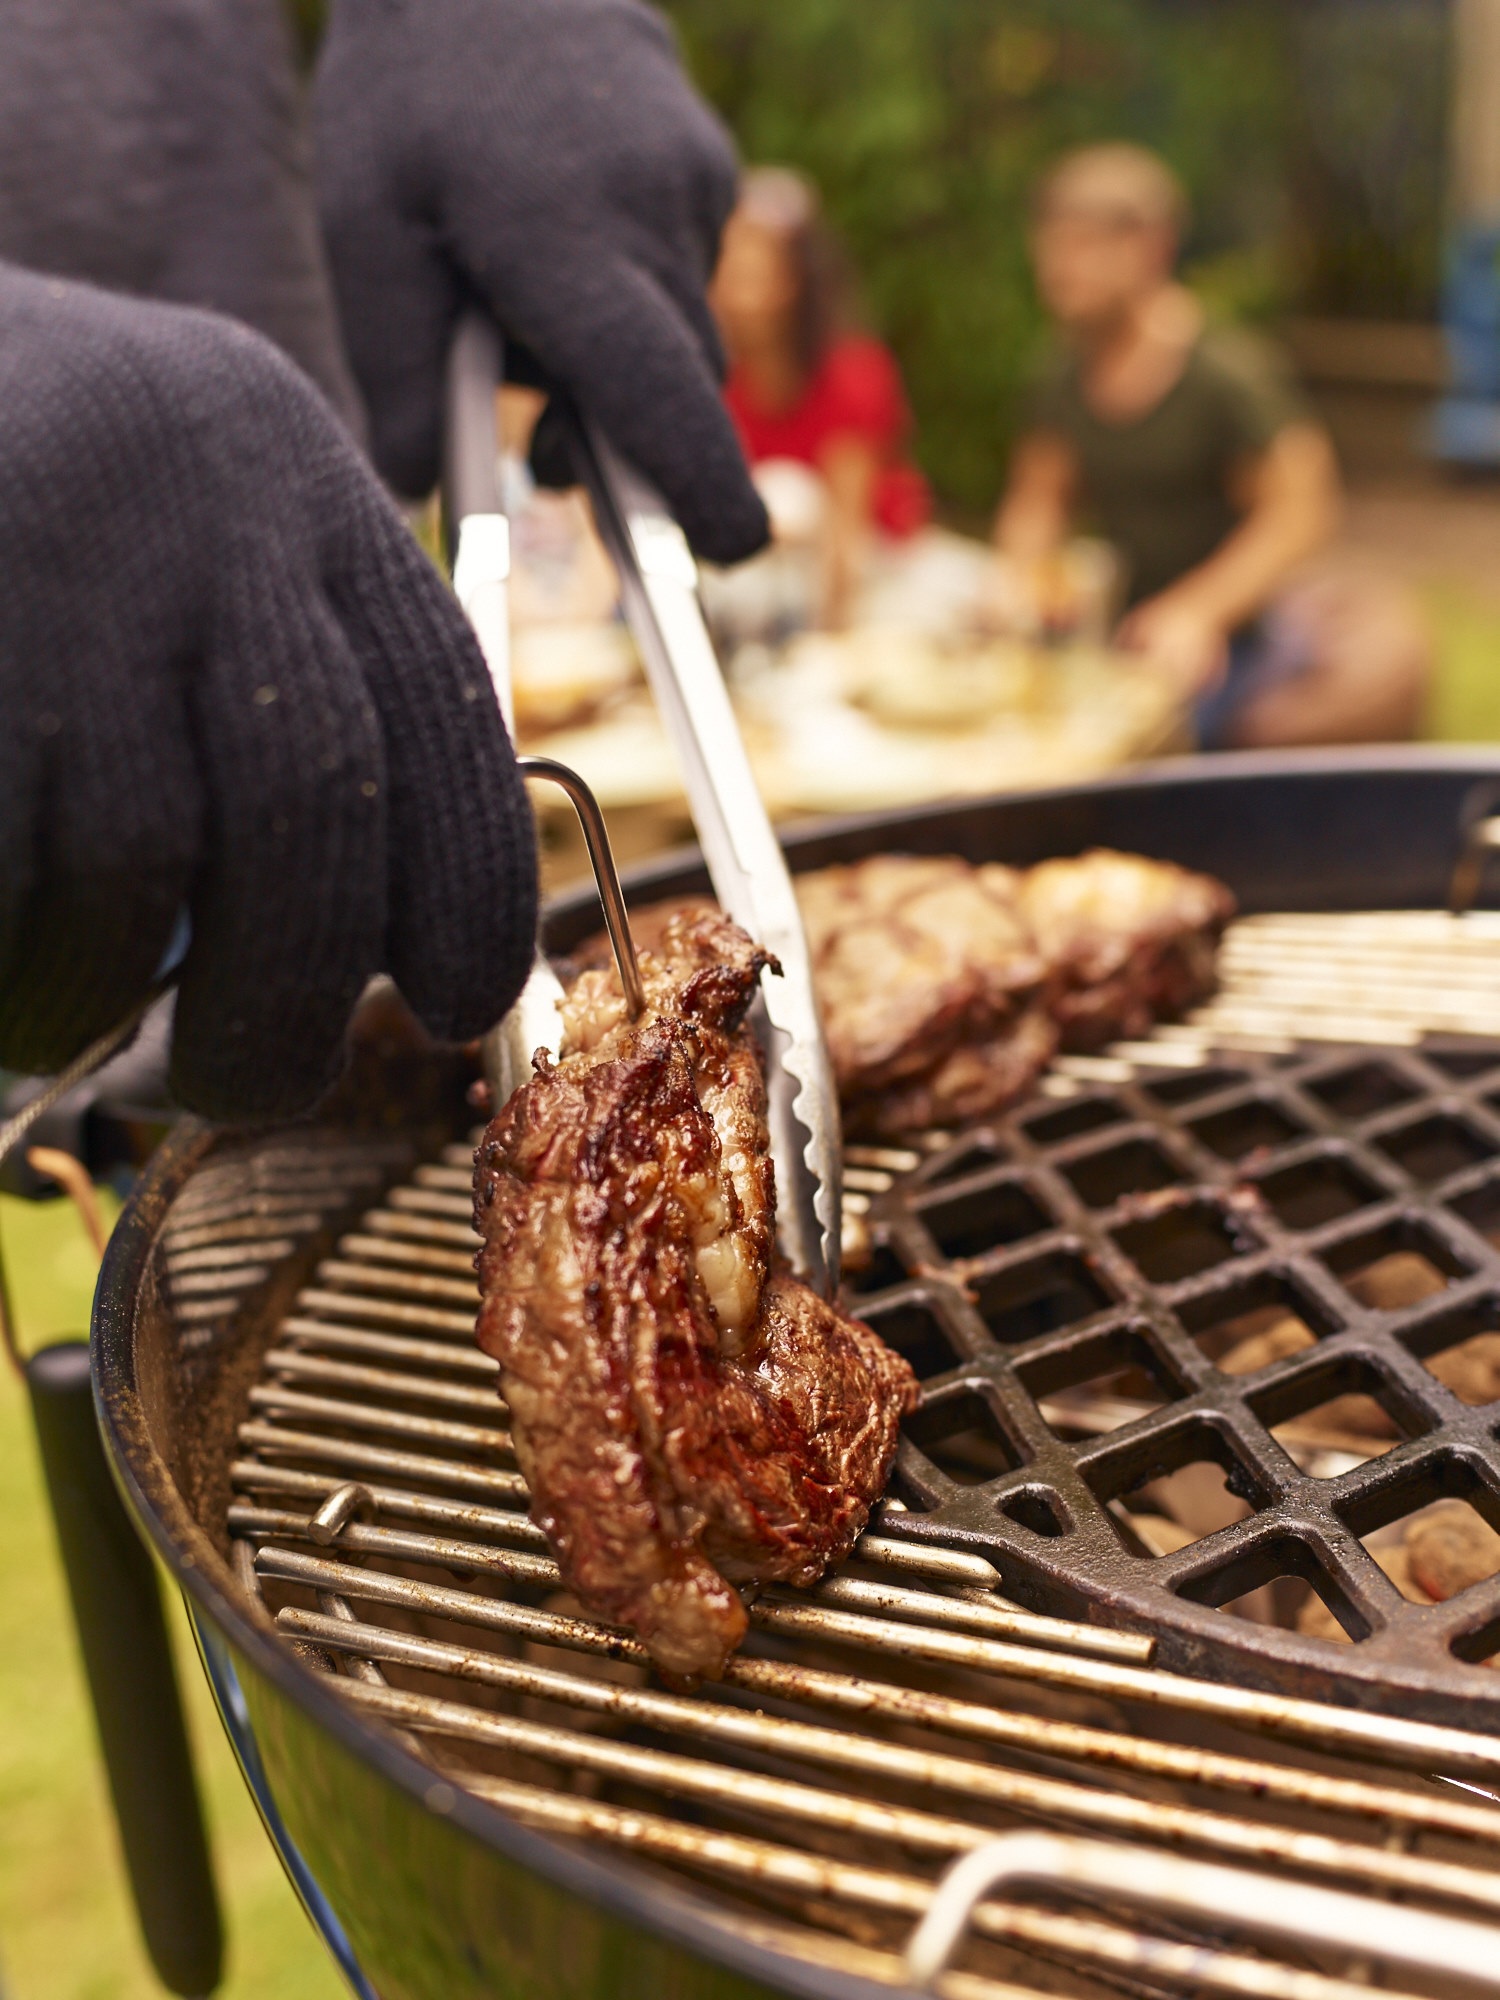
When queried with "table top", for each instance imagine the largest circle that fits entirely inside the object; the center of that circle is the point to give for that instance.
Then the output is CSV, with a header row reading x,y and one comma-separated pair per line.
x,y
871,720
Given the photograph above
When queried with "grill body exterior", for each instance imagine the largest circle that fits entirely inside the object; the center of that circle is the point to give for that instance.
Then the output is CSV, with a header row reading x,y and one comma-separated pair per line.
x,y
427,1891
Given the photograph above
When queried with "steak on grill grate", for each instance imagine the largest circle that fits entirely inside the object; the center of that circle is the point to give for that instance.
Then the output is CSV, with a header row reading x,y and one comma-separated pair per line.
x,y
929,986
1127,941
685,1416
945,988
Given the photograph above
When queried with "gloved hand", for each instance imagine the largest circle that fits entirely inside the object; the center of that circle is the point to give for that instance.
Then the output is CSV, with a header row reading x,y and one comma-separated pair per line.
x,y
161,148
549,158
231,682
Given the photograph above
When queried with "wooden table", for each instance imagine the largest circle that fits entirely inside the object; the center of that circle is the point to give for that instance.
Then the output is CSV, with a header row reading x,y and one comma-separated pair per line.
x,y
818,747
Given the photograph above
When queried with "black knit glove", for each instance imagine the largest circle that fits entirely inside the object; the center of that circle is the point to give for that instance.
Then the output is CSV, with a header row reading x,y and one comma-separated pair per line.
x,y
160,147
549,158
229,682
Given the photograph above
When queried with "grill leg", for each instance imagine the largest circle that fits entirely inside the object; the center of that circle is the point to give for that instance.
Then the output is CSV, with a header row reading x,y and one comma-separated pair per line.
x,y
127,1656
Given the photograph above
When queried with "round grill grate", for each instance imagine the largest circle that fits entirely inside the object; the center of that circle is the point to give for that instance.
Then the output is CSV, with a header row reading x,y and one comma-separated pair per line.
x,y
1203,1328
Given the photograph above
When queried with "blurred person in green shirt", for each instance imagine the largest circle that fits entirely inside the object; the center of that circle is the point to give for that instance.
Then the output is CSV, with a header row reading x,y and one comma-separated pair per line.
x,y
1190,449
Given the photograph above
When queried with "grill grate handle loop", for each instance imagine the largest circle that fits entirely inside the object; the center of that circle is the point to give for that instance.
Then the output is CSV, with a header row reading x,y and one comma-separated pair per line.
x,y
1287,1909
1480,842
606,875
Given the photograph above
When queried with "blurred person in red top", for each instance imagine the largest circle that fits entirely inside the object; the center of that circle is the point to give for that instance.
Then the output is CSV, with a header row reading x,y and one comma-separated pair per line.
x,y
806,386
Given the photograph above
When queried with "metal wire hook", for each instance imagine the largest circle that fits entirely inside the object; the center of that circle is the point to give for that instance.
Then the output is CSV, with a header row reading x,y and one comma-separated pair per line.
x,y
606,875
1482,839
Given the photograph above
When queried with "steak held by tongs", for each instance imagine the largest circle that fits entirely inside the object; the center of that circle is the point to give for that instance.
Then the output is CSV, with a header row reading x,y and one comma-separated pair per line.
x,y
688,1414
689,1407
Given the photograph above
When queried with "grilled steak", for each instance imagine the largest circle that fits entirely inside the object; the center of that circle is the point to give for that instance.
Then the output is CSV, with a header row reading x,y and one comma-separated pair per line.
x,y
976,1078
945,988
927,982
687,1415
1128,941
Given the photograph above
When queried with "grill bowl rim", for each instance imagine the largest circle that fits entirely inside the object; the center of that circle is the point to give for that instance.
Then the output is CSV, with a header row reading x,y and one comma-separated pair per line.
x,y
678,1916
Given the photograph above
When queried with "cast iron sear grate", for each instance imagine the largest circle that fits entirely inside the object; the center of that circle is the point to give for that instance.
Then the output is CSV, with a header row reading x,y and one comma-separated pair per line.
x,y
1186,1273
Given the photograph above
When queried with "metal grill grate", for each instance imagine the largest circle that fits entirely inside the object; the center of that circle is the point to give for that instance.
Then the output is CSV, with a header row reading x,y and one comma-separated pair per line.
x,y
1081,1286
1108,1233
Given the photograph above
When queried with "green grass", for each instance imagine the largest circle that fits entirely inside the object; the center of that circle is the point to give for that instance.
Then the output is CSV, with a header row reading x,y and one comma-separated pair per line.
x,y
1465,702
66,1927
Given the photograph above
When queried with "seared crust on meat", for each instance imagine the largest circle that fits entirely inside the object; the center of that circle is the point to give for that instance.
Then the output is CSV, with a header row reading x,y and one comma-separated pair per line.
x,y
1128,941
972,1081
930,989
945,989
681,1414
913,957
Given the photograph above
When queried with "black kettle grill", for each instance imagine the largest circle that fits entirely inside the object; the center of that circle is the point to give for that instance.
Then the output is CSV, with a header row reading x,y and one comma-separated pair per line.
x,y
481,1792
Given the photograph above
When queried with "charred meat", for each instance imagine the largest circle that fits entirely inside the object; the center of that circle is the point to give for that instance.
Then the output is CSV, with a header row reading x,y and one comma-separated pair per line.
x,y
945,988
929,987
1127,941
688,1416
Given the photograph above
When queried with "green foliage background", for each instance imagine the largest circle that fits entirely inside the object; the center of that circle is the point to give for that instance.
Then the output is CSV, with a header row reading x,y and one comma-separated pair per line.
x,y
1369,153
1309,133
925,126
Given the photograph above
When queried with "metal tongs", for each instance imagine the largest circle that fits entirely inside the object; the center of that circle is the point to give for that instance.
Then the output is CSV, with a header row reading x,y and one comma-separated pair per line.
x,y
659,595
